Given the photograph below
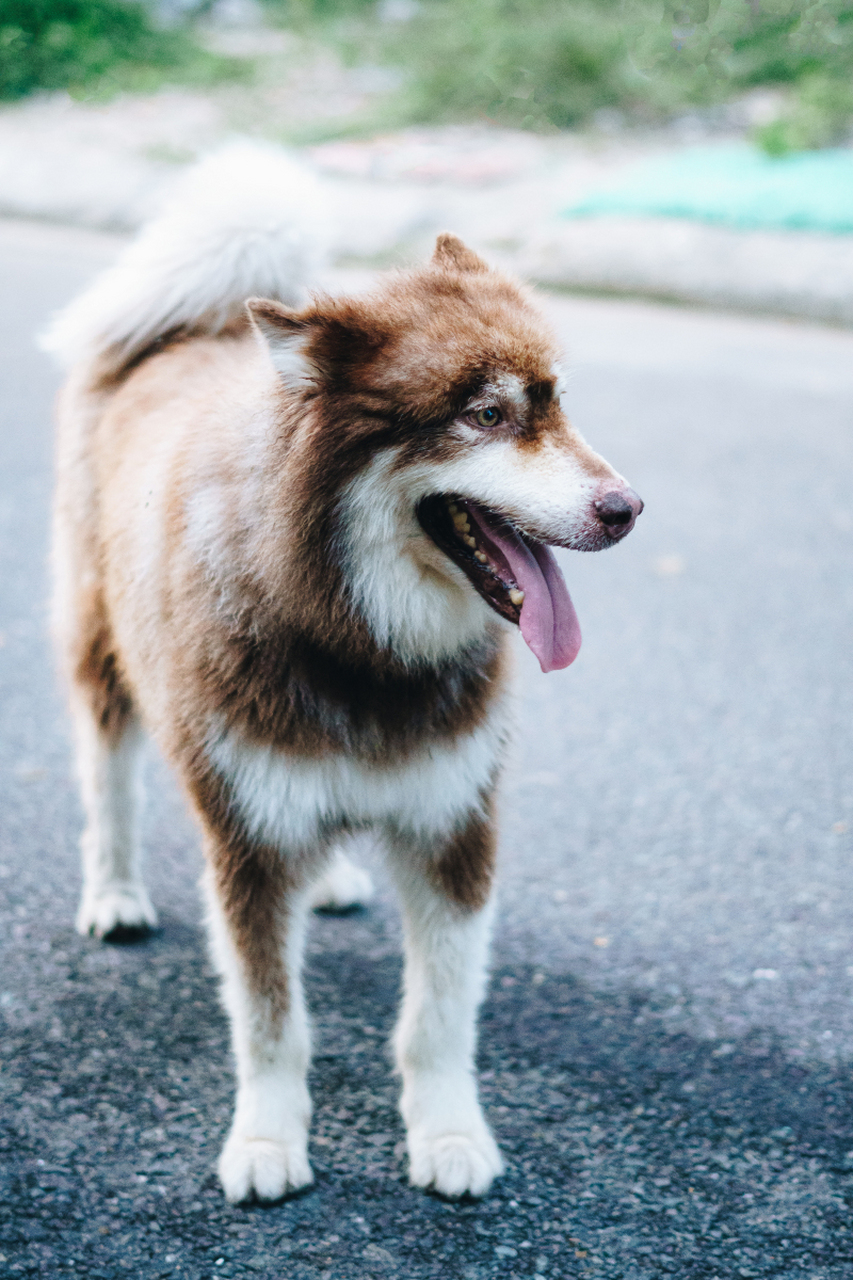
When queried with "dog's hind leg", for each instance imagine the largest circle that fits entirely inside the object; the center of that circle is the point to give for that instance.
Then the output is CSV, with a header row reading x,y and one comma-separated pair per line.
x,y
107,733
446,916
115,904
257,924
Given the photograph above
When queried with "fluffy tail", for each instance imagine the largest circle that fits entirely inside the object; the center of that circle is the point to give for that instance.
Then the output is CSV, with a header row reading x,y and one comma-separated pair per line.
x,y
246,221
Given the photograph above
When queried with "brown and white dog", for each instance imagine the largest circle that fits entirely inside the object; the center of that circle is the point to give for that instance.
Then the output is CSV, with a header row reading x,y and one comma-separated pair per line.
x,y
291,541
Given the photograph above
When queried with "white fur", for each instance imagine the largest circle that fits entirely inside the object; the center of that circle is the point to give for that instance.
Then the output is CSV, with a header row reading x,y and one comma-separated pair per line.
x,y
290,802
414,598
290,361
209,531
286,350
266,1153
341,885
544,488
109,768
450,1145
506,387
561,382
249,220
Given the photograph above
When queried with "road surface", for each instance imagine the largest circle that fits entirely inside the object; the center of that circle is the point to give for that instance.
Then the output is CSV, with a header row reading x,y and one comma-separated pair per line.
x,y
667,1039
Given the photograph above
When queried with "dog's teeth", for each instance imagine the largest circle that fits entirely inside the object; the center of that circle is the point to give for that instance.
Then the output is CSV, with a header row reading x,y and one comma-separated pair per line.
x,y
482,557
516,596
452,507
461,521
470,542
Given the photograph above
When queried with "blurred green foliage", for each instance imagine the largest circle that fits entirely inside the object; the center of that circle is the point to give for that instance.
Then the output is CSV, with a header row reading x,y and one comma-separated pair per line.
x,y
720,48
554,63
94,47
541,64
535,64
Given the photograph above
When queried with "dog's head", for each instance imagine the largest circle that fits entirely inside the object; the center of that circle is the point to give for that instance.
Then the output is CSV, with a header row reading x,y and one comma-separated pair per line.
x,y
435,432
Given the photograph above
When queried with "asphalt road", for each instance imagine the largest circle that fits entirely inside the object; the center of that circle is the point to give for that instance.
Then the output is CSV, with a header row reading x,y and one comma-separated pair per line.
x,y
666,1044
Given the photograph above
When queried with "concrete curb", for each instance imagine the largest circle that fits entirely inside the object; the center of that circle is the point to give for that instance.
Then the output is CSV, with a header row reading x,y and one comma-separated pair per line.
x,y
106,168
797,274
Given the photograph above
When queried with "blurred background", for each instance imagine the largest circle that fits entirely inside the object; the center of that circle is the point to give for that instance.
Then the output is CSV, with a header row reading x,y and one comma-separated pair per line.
x,y
542,130
668,1033
781,68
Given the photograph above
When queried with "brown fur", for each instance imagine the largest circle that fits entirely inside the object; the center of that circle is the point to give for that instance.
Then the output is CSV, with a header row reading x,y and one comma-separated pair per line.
x,y
291,664
465,868
202,585
99,674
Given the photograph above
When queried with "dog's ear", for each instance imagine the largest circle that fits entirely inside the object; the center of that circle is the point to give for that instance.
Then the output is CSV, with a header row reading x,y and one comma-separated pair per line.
x,y
285,334
453,255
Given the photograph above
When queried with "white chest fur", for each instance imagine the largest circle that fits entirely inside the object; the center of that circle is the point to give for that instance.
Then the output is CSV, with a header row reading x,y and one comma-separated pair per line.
x,y
289,801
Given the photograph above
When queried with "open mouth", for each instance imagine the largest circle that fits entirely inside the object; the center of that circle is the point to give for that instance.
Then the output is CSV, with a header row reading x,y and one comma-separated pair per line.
x,y
514,573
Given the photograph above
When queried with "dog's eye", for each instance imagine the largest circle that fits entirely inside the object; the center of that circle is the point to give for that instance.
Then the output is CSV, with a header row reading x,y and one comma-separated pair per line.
x,y
489,417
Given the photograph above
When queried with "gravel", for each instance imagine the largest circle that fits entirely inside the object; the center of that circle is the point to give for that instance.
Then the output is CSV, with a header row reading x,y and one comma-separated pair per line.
x,y
632,1153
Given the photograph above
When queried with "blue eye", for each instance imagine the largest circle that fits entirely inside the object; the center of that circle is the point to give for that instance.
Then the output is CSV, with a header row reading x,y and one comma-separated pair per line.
x,y
489,417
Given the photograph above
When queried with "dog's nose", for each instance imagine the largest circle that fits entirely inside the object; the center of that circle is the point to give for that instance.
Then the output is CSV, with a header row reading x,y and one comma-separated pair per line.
x,y
618,510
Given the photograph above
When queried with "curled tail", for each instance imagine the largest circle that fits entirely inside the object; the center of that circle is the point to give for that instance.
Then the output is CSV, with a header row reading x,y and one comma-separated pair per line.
x,y
248,220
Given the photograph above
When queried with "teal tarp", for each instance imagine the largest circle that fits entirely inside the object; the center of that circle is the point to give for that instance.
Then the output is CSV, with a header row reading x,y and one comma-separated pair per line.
x,y
736,185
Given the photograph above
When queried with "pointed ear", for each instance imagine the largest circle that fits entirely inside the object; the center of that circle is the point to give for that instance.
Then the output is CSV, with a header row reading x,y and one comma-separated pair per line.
x,y
453,255
285,335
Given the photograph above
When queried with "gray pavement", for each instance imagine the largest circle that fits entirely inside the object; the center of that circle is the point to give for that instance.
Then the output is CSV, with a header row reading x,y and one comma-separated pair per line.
x,y
667,1040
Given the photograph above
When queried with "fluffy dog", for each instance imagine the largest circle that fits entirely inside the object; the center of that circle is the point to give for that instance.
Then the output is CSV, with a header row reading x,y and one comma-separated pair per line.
x,y
291,539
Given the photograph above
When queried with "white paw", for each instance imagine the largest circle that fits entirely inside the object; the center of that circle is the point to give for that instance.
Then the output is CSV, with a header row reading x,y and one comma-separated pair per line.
x,y
341,885
262,1168
116,910
455,1163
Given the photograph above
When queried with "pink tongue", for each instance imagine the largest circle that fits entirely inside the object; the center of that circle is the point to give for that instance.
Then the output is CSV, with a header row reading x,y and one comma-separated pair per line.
x,y
549,623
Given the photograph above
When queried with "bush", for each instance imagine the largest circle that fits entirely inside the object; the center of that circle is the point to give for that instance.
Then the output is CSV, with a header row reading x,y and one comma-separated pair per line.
x,y
536,63
729,46
542,63
91,45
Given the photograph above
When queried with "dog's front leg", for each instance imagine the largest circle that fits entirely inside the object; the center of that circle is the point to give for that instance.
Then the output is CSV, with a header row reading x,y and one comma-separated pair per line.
x,y
257,925
445,895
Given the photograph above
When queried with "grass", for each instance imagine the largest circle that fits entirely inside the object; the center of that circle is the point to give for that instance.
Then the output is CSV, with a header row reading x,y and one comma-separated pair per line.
x,y
538,64
93,48
555,63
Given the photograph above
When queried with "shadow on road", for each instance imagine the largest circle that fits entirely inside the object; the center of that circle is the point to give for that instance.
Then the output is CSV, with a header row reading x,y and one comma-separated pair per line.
x,y
632,1152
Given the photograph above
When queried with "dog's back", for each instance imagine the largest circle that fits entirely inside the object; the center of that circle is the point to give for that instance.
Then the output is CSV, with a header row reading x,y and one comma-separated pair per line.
x,y
246,221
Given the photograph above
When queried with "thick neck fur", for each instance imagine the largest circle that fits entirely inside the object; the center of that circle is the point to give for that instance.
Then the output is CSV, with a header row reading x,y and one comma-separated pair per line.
x,y
331,630
331,620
